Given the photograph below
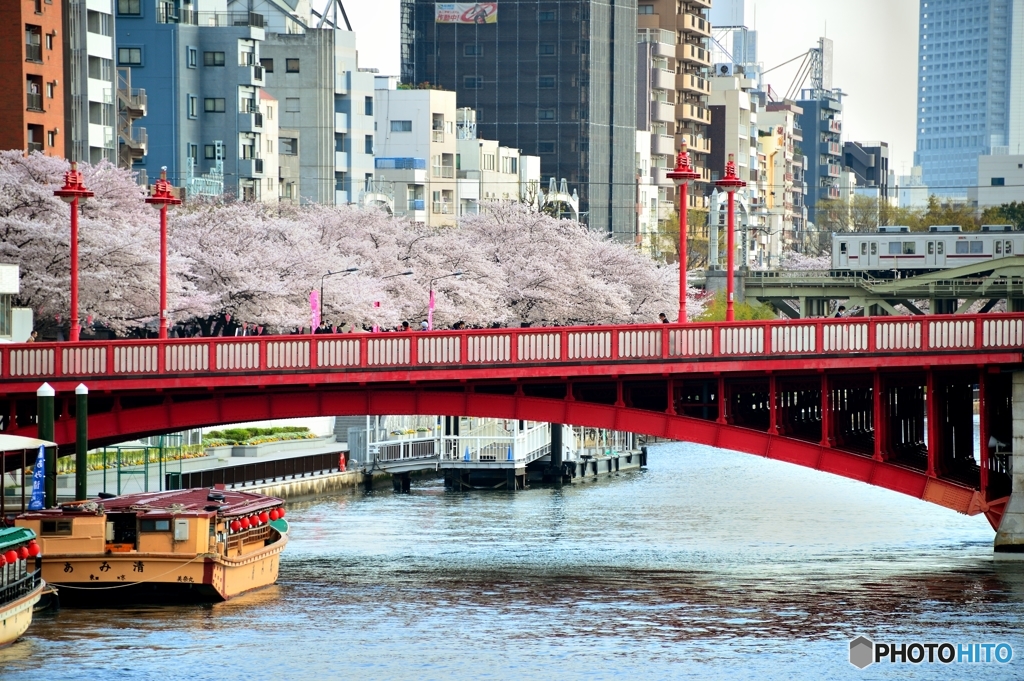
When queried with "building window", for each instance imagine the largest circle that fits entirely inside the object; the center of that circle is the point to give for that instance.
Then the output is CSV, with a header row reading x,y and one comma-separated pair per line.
x,y
268,65
368,145
291,65
547,49
99,23
368,106
213,59
288,146
473,50
291,105
548,15
129,56
401,126
213,105
473,82
545,114
546,82
210,151
340,181
193,105
49,41
545,147
193,57
998,181
340,141
488,162
51,138
192,151
645,9
129,7
50,90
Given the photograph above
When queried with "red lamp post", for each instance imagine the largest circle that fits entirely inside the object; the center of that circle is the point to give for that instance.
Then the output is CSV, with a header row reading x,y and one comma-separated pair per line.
x,y
72,191
682,175
730,183
161,197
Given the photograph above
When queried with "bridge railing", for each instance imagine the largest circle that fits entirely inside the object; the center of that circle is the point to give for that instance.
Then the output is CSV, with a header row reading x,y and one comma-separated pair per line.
x,y
535,346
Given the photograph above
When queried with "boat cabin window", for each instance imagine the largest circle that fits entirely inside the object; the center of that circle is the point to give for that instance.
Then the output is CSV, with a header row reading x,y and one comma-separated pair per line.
x,y
941,247
874,248
55,527
155,525
962,247
895,247
909,248
842,248
977,247
864,248
931,248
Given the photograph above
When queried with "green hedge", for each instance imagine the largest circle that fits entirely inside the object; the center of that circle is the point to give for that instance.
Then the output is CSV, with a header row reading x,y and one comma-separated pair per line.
x,y
239,436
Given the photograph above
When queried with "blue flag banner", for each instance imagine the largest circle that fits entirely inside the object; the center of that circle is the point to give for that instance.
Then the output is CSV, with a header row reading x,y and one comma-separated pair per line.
x,y
38,476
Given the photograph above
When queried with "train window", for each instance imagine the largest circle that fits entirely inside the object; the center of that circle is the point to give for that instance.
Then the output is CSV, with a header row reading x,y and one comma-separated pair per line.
x,y
895,248
999,247
961,247
909,248
874,248
1008,249
842,248
931,248
977,247
864,248
941,247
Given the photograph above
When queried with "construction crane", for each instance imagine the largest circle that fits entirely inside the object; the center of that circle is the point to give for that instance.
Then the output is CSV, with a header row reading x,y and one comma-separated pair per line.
x,y
816,65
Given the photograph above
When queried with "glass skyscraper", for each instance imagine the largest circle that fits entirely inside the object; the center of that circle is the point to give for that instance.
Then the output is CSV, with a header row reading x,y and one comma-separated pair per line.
x,y
969,91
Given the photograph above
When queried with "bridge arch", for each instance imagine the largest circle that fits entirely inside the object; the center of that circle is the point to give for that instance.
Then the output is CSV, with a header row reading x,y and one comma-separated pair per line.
x,y
214,408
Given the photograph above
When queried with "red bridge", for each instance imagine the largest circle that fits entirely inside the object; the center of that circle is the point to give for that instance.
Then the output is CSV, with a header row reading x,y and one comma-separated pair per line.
x,y
887,401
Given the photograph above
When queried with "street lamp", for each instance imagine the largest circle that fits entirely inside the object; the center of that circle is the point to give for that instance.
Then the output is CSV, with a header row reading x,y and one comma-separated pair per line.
x,y
682,175
162,196
350,270
73,191
430,307
730,183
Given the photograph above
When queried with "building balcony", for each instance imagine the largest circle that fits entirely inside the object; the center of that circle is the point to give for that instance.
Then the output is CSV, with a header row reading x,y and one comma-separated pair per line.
x,y
694,54
697,145
663,144
220,19
697,114
442,208
834,149
663,79
34,101
437,136
831,192
659,177
832,125
830,170
341,159
663,112
341,121
251,121
663,43
257,74
34,53
250,167
701,3
416,204
688,82
34,146
694,24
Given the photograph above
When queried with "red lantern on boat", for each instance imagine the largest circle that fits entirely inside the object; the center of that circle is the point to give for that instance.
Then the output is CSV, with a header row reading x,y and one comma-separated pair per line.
x,y
254,520
280,512
235,526
264,517
245,523
11,556
3,560
22,552
33,548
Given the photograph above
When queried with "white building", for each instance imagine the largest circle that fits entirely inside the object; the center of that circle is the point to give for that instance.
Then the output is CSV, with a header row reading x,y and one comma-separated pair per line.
x,y
911,189
647,200
1000,180
91,87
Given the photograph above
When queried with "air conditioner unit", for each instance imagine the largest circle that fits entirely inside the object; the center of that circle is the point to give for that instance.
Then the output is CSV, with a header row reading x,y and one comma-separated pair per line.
x,y
724,69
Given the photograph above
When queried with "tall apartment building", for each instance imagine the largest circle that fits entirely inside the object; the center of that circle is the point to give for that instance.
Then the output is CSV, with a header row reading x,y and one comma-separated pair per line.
x,y
822,126
31,72
688,22
556,79
326,100
970,88
780,137
656,113
90,82
199,65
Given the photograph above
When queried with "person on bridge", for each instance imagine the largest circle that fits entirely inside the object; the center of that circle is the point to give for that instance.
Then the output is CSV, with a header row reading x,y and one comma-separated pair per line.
x,y
663,318
841,311
405,326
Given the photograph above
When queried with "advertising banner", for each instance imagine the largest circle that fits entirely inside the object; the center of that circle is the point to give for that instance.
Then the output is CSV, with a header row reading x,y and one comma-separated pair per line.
x,y
466,13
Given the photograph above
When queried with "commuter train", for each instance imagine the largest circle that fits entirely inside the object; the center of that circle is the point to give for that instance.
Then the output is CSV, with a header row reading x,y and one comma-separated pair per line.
x,y
896,248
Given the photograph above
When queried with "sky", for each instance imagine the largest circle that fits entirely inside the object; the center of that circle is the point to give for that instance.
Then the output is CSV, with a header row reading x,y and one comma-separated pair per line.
x,y
875,45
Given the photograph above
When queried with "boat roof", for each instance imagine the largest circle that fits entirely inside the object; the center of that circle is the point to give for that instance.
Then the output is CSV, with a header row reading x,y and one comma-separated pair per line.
x,y
180,502
11,443
15,536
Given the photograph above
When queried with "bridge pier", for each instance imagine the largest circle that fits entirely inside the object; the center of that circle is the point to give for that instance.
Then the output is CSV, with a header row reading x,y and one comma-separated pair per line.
x,y
401,482
1009,542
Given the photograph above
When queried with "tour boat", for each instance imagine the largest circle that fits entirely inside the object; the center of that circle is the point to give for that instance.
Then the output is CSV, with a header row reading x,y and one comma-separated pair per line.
x,y
192,545
21,585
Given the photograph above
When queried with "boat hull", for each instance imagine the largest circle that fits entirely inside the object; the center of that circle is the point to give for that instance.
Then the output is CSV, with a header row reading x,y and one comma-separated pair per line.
x,y
17,615
115,579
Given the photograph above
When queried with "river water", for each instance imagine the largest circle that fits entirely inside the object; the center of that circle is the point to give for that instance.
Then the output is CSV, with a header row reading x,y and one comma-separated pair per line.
x,y
709,564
